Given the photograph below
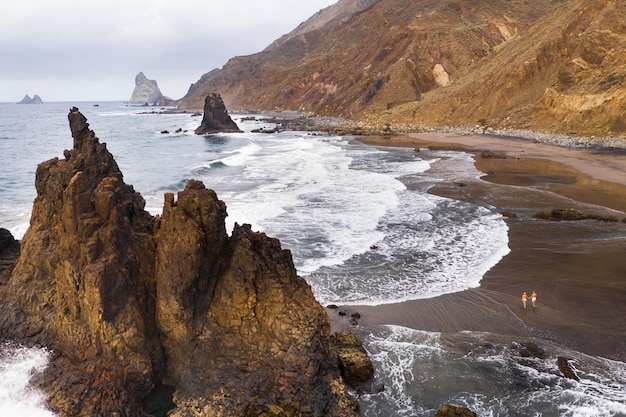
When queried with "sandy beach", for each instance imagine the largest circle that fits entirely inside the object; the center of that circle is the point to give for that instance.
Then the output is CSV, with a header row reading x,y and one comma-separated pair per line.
x,y
578,268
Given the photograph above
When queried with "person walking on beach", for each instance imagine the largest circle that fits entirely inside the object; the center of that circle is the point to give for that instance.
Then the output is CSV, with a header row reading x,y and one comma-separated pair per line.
x,y
524,299
533,298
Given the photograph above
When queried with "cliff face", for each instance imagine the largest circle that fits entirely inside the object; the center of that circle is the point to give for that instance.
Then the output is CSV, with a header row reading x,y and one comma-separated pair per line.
x,y
128,301
145,91
552,65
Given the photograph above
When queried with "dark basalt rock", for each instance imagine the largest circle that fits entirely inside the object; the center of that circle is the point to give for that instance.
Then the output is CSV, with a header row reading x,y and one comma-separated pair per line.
x,y
567,369
571,214
531,349
9,250
129,303
356,366
508,214
216,118
453,411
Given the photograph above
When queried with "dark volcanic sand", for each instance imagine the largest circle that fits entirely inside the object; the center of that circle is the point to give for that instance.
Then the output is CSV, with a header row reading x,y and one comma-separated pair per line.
x,y
578,268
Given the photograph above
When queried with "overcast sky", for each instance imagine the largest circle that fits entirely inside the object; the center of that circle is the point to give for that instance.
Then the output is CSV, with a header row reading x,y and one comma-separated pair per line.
x,y
66,50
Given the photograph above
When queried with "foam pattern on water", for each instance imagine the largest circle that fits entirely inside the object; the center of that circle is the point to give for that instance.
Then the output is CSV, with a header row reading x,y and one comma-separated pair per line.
x,y
429,245
487,374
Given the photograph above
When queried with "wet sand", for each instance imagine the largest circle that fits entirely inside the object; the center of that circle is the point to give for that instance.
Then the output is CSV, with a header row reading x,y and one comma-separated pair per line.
x,y
578,268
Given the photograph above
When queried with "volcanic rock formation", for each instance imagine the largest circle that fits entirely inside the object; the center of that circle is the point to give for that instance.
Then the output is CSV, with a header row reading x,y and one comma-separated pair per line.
x,y
146,91
216,118
554,65
129,303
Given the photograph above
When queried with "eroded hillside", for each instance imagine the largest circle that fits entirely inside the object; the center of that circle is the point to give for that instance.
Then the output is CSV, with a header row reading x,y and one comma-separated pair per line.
x,y
557,65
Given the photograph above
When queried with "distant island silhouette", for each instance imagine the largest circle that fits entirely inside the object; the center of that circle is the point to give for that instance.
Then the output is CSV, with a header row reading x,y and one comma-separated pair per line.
x,y
28,100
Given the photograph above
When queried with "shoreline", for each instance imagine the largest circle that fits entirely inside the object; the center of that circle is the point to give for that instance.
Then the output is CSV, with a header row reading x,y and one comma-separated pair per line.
x,y
576,266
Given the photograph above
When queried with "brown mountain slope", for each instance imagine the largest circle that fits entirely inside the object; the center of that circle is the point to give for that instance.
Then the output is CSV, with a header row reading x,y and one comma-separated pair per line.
x,y
557,65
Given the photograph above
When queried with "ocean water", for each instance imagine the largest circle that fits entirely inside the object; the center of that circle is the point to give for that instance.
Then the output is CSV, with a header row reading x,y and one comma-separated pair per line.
x,y
362,229
486,373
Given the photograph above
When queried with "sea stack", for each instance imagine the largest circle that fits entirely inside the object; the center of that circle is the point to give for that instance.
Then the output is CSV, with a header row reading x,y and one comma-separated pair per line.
x,y
216,118
131,304
146,91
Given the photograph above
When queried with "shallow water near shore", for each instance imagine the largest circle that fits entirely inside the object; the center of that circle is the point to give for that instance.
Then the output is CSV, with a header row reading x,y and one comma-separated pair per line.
x,y
363,230
489,374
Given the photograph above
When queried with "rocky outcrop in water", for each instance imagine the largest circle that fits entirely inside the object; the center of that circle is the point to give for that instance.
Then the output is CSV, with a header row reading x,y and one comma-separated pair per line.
x,y
354,363
566,368
571,214
171,310
146,91
9,250
216,118
453,411
28,100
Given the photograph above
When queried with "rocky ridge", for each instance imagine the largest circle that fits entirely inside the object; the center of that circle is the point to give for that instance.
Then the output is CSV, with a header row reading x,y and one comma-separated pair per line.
x,y
130,303
555,66
343,9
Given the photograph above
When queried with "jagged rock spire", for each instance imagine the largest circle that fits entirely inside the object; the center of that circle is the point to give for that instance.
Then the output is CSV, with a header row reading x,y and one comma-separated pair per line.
x,y
128,301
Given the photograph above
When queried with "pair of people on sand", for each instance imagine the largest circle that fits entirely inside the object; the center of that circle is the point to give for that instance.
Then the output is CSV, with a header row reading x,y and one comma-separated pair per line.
x,y
533,299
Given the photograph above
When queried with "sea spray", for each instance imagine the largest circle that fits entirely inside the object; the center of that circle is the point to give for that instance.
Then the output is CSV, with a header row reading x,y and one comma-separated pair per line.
x,y
18,365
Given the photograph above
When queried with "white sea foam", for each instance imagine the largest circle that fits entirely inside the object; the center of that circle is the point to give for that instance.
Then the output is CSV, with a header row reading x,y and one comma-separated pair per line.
x,y
396,352
17,366
331,202
306,193
429,245
242,155
16,218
